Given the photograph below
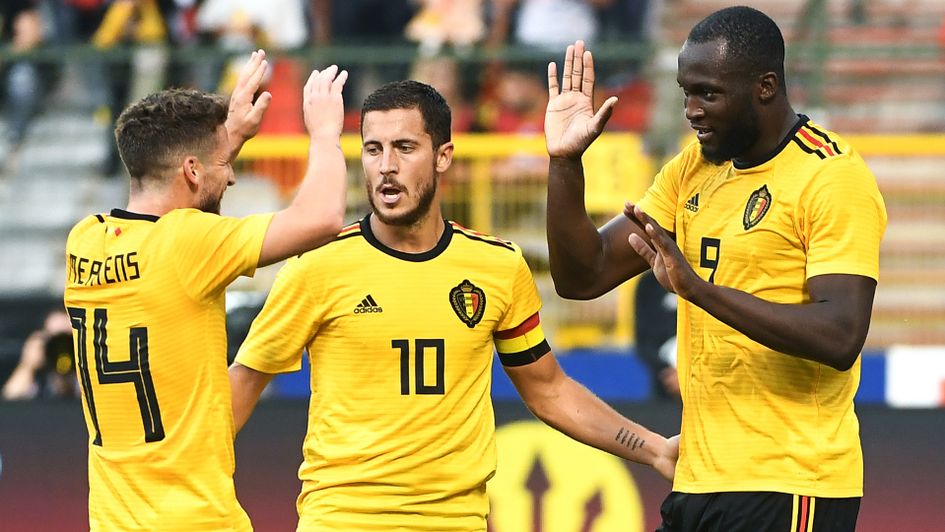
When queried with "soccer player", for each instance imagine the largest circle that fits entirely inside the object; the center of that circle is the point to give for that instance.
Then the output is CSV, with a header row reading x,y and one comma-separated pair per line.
x,y
400,316
145,294
768,228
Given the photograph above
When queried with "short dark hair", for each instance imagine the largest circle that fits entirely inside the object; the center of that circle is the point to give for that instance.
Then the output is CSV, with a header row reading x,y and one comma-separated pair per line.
x,y
410,94
152,132
753,39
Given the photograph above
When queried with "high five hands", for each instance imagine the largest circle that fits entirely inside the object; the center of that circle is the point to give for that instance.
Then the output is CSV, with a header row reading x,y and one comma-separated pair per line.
x,y
322,104
245,115
662,253
570,121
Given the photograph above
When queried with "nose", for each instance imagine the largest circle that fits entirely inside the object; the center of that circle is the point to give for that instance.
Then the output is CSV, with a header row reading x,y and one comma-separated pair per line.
x,y
693,109
388,162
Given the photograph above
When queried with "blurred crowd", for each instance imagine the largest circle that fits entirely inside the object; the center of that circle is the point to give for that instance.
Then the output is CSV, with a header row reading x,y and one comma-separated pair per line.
x,y
130,48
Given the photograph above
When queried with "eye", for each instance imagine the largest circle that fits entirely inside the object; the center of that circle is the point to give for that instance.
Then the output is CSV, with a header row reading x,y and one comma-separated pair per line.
x,y
371,150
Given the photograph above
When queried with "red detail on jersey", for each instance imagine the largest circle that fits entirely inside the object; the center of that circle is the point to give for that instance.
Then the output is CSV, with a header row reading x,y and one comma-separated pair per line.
x,y
515,332
816,142
118,231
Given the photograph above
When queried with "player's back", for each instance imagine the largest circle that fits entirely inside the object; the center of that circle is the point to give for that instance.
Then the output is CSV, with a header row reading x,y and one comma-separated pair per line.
x,y
146,298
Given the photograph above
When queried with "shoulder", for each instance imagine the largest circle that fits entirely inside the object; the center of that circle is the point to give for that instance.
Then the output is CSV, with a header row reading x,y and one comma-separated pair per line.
x,y
87,222
486,243
350,238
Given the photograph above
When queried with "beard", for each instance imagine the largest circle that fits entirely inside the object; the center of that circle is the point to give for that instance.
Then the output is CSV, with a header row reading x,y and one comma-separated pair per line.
x,y
425,196
210,203
737,141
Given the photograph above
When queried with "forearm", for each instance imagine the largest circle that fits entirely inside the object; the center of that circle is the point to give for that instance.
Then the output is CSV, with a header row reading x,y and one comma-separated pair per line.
x,y
247,385
316,214
323,192
575,248
575,411
821,331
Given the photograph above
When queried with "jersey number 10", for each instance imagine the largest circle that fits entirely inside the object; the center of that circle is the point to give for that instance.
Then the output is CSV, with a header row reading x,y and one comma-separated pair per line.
x,y
136,370
420,383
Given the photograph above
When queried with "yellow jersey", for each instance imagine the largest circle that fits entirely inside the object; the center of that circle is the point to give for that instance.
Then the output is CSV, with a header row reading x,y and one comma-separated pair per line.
x,y
401,430
755,419
146,299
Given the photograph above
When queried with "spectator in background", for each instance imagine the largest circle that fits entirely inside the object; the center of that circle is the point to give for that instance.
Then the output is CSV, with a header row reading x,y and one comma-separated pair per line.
x,y
47,364
447,22
547,25
112,79
655,333
22,31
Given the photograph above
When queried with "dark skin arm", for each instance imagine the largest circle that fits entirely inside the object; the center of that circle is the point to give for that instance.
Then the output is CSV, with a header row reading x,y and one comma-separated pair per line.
x,y
830,329
585,262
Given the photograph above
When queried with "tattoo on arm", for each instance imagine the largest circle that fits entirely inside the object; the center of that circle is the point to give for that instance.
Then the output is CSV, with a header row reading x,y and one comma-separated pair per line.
x,y
629,439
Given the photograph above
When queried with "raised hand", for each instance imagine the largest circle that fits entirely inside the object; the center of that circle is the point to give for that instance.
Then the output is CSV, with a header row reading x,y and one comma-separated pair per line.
x,y
571,124
242,122
661,252
322,105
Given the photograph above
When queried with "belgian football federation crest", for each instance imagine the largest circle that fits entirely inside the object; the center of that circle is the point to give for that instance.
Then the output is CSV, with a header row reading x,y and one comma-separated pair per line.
x,y
757,207
468,302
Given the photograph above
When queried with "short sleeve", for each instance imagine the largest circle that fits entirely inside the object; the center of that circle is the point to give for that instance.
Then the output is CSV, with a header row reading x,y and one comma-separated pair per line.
x,y
842,222
519,338
211,251
284,326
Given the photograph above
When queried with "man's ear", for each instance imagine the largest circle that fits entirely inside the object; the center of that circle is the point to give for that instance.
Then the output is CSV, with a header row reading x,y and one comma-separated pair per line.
x,y
192,170
444,157
768,87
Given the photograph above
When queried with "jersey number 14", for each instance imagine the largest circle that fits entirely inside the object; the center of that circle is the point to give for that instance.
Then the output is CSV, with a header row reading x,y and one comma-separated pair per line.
x,y
135,370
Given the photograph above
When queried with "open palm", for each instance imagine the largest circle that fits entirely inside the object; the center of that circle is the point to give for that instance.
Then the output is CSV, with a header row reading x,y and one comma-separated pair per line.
x,y
570,122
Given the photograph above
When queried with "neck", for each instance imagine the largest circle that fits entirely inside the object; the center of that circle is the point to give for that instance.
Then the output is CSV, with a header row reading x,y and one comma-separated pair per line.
x,y
417,238
157,200
774,128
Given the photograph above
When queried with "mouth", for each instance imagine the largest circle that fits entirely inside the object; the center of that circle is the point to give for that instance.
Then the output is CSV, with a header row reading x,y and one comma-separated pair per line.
x,y
703,133
389,193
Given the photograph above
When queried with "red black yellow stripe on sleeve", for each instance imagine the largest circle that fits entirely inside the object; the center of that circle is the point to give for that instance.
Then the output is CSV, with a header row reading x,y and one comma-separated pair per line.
x,y
523,344
349,231
480,237
815,142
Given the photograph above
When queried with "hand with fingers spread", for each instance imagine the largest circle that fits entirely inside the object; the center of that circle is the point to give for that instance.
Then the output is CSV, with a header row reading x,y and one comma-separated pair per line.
x,y
661,252
571,124
245,115
322,104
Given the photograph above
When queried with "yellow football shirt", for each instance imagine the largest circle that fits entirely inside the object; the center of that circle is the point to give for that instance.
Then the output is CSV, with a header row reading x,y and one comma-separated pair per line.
x,y
755,419
146,298
401,430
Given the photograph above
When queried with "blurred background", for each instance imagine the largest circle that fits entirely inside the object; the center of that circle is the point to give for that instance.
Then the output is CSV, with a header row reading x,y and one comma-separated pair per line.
x,y
871,70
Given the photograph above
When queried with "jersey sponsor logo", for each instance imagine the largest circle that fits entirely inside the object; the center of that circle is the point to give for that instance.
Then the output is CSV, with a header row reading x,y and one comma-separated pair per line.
x,y
468,302
693,203
757,207
368,306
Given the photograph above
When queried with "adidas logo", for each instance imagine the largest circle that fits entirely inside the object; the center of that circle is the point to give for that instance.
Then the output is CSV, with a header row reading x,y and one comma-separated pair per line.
x,y
367,306
693,203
